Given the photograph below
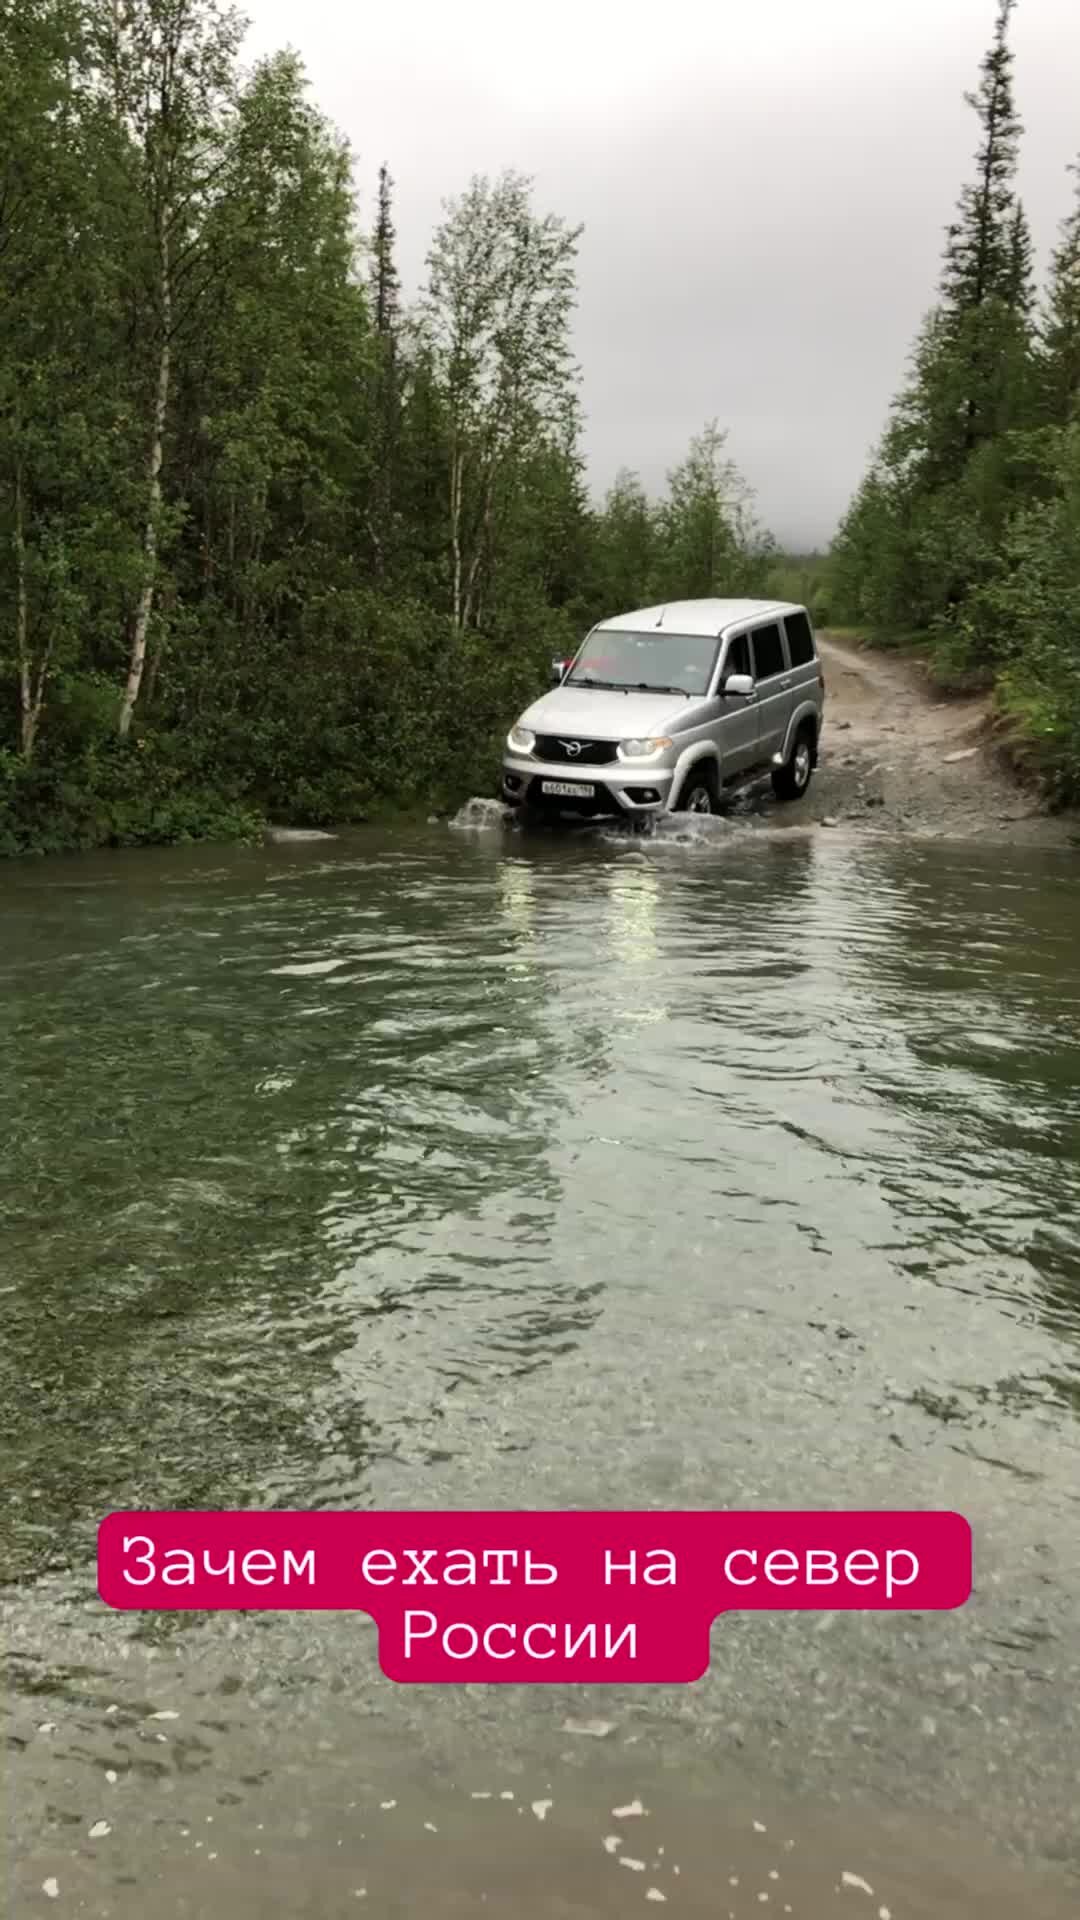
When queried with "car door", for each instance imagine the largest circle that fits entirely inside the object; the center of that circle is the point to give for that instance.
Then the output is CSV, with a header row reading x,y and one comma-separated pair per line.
x,y
737,724
802,656
773,681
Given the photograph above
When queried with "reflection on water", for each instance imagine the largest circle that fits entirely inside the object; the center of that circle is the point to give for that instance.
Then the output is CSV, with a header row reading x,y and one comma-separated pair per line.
x,y
304,1161
475,1169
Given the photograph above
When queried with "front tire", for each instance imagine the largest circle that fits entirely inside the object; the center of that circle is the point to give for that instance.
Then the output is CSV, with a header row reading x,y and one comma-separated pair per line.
x,y
792,779
697,793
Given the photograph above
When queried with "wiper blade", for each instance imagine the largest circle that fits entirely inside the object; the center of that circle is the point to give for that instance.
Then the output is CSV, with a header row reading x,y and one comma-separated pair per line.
x,y
626,686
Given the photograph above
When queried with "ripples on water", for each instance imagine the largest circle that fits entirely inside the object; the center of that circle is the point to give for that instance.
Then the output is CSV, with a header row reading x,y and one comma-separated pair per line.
x,y
453,1163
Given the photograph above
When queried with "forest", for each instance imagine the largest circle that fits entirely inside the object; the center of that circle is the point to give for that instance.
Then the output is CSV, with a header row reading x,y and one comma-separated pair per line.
x,y
279,544
276,544
964,536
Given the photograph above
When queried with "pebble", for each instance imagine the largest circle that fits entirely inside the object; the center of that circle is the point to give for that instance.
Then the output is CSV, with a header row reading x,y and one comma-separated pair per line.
x,y
51,1889
99,1829
595,1729
830,820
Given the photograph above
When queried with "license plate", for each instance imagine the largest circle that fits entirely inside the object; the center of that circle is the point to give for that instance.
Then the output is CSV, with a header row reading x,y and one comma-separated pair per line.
x,y
567,789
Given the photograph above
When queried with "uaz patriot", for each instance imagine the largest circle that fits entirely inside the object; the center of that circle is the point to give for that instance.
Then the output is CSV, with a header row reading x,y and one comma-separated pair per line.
x,y
662,710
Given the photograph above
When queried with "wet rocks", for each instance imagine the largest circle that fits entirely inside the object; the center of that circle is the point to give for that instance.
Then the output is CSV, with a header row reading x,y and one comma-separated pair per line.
x,y
295,836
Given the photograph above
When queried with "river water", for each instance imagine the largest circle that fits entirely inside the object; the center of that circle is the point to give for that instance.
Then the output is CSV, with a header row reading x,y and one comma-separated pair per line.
x,y
453,1167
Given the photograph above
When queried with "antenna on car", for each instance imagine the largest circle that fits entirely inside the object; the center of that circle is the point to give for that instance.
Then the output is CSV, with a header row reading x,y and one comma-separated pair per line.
x,y
660,622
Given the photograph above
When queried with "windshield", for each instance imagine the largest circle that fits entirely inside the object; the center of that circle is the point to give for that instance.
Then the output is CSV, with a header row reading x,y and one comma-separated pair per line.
x,y
645,662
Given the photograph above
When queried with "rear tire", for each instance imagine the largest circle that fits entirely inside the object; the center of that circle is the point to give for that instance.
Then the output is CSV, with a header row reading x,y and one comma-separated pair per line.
x,y
792,779
697,793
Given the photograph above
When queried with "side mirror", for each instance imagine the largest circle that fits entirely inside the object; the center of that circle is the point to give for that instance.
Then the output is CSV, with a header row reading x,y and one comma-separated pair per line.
x,y
738,685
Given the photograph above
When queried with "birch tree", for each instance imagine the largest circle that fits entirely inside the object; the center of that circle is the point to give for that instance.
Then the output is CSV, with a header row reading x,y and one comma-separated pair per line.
x,y
708,541
170,66
496,316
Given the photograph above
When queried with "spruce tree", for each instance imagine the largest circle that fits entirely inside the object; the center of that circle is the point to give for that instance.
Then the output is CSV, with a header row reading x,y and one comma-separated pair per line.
x,y
986,279
1059,357
385,285
978,252
1020,278
386,304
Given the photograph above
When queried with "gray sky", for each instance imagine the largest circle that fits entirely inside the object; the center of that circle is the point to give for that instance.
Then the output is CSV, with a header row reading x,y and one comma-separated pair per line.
x,y
764,186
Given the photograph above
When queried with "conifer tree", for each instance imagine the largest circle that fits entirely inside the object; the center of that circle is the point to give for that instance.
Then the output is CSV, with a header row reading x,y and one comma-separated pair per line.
x,y
986,292
978,252
1059,357
385,285
386,313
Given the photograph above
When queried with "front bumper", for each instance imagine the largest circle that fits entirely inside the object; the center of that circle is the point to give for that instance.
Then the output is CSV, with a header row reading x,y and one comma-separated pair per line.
x,y
615,789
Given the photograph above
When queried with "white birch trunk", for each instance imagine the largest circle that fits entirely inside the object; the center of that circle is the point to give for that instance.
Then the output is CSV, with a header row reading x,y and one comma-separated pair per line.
x,y
456,488
153,492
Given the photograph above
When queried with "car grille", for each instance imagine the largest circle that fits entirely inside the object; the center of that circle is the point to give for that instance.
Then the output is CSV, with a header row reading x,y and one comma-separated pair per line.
x,y
592,753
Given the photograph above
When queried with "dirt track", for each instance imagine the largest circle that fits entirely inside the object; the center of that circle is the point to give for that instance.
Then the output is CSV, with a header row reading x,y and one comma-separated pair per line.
x,y
897,757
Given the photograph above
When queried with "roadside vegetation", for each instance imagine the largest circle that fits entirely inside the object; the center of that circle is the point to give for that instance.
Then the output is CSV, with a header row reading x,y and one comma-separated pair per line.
x,y
276,543
273,542
964,537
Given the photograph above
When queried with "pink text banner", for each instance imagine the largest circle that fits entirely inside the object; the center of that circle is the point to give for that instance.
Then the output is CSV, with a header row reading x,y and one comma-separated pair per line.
x,y
537,1597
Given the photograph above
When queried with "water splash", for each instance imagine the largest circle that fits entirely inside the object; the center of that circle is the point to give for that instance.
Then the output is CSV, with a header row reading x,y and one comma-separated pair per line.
x,y
481,816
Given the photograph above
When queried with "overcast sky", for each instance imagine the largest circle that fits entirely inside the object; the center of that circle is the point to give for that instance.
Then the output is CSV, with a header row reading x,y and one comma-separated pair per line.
x,y
763,184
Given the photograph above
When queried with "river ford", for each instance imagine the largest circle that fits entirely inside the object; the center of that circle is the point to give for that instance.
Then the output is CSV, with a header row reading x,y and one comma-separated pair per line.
x,y
737,1166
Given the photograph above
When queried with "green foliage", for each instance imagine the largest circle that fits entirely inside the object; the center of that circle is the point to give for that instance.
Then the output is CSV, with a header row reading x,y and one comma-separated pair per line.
x,y
700,539
271,545
966,527
803,578
1059,341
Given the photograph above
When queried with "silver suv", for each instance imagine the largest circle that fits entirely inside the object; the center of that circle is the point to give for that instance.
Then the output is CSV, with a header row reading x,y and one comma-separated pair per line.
x,y
661,710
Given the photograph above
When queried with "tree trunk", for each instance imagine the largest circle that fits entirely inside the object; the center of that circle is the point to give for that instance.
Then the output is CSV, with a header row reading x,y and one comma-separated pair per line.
x,y
469,609
27,716
145,605
456,466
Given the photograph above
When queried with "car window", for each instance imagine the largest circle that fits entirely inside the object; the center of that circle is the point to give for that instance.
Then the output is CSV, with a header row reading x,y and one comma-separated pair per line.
x,y
800,639
768,653
737,658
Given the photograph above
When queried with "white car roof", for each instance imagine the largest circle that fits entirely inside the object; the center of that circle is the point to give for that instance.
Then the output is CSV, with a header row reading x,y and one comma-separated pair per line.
x,y
712,617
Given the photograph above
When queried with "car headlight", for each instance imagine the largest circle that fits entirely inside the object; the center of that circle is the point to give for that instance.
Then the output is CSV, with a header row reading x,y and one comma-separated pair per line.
x,y
521,739
641,749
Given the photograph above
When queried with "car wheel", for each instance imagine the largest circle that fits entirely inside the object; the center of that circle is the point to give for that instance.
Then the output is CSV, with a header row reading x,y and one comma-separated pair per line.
x,y
697,793
792,779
